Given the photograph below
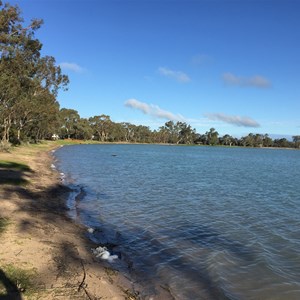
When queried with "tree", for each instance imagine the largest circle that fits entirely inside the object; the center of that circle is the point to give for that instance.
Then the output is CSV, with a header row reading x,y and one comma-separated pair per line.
x,y
296,140
117,132
162,135
27,80
248,141
282,143
101,125
173,130
142,134
212,137
187,135
82,130
227,140
128,131
267,141
68,122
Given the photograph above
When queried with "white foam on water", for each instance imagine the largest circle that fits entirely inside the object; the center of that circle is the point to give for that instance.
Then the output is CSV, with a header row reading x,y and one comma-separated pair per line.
x,y
91,230
62,176
103,253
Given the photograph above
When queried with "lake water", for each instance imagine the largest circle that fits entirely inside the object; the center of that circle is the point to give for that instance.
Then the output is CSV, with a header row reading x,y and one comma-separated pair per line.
x,y
202,222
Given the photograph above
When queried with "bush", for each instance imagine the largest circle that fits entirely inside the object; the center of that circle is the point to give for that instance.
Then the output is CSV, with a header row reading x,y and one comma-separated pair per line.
x,y
4,146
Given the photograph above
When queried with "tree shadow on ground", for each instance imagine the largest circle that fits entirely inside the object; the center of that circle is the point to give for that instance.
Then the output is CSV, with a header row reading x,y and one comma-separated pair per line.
x,y
11,290
13,173
48,214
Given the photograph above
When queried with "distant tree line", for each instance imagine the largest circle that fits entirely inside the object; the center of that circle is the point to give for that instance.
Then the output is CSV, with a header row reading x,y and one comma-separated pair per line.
x,y
101,128
29,110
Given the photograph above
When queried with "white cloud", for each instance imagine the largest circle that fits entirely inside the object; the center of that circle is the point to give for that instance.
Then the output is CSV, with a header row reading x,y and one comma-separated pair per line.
x,y
200,59
153,110
254,81
235,120
71,67
177,75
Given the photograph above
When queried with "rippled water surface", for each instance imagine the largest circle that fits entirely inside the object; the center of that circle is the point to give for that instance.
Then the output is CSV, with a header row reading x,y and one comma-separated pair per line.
x,y
205,222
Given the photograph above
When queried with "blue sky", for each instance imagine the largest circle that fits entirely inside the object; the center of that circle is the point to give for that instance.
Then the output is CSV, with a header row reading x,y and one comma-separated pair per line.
x,y
231,65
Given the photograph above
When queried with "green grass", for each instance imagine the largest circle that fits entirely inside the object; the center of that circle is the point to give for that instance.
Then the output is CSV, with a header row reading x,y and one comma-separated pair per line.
x,y
16,280
4,222
75,142
14,166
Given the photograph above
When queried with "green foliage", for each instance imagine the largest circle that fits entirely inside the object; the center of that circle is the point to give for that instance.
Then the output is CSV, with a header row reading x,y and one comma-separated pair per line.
x,y
4,222
296,140
28,82
15,280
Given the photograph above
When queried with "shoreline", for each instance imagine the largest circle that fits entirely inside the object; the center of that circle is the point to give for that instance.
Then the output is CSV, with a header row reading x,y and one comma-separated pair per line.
x,y
41,240
101,239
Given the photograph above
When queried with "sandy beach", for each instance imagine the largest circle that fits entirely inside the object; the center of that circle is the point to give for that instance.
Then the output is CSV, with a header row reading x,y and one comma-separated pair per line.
x,y
43,253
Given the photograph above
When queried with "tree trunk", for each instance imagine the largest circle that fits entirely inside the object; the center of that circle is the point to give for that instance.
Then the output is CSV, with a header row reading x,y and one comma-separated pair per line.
x,y
18,134
6,130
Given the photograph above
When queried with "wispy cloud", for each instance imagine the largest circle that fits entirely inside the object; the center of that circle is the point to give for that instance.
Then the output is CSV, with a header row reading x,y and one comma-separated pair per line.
x,y
200,59
153,110
177,75
71,67
254,81
235,120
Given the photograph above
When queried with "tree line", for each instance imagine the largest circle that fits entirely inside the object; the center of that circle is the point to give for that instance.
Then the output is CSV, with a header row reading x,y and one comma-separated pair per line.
x,y
30,112
101,128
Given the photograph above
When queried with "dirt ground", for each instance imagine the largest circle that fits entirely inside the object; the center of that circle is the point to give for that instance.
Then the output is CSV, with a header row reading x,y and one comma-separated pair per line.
x,y
40,243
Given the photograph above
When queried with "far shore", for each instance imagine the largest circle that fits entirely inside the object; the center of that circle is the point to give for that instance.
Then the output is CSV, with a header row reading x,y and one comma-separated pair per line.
x,y
95,142
43,253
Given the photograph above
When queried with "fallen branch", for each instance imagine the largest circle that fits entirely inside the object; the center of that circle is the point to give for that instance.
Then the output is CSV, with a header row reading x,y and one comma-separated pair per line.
x,y
82,284
19,252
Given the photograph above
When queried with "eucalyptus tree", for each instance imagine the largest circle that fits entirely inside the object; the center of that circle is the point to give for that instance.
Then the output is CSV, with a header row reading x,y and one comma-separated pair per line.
x,y
102,125
258,140
143,134
68,122
227,140
248,141
26,78
82,129
117,132
212,137
162,135
128,131
43,124
187,135
173,132
282,143
296,140
267,141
